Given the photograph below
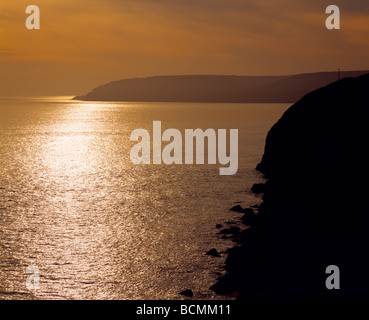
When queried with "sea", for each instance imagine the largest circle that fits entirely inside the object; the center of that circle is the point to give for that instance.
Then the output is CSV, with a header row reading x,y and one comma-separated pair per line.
x,y
79,220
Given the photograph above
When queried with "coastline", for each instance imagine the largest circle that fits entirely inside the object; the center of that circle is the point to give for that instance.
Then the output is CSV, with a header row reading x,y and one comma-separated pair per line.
x,y
314,152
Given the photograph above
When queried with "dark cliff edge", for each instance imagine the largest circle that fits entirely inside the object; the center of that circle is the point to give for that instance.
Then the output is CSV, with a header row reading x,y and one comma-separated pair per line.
x,y
314,211
212,88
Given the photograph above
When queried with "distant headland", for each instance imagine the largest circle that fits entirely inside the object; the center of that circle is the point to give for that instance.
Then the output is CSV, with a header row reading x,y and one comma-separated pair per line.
x,y
215,88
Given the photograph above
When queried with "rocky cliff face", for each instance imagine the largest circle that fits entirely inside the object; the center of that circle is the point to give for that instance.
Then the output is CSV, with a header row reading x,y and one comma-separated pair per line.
x,y
314,211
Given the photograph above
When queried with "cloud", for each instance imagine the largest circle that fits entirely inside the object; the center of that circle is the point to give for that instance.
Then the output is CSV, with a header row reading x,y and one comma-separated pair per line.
x,y
106,40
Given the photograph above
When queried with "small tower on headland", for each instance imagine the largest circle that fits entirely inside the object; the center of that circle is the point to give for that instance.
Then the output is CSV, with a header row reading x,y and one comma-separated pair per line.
x,y
339,74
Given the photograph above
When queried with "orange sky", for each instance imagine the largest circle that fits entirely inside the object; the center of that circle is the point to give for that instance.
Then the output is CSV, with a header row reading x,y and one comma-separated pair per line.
x,y
85,43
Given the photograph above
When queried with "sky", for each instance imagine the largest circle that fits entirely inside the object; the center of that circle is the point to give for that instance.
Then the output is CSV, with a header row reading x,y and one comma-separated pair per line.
x,y
85,43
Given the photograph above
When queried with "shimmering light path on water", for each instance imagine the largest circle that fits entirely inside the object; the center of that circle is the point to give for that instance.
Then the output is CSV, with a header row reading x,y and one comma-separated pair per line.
x,y
99,227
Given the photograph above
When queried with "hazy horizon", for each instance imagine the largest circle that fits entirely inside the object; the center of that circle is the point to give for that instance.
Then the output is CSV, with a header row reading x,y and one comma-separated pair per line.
x,y
71,96
83,44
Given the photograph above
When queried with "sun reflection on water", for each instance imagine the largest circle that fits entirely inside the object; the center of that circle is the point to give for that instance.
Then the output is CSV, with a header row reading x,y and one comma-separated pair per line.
x,y
97,226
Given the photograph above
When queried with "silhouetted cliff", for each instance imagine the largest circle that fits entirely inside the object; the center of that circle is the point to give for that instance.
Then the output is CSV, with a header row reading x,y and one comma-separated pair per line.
x,y
214,88
314,211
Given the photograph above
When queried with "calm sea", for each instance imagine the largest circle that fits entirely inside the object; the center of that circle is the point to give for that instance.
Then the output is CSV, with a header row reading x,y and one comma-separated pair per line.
x,y
99,227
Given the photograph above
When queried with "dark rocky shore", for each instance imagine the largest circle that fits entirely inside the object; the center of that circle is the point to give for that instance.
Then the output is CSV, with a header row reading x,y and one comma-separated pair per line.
x,y
314,211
